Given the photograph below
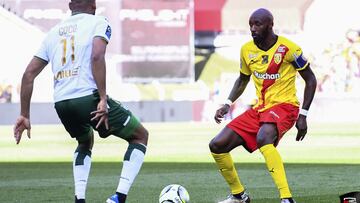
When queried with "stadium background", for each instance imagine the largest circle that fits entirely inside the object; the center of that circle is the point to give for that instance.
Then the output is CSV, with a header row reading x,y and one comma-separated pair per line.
x,y
172,63
167,54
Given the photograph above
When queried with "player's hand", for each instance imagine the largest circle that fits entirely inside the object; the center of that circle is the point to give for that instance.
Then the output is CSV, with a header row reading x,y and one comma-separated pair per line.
x,y
301,126
101,114
221,112
21,124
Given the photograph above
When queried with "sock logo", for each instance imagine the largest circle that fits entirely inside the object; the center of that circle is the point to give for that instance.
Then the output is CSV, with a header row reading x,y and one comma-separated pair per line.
x,y
272,170
222,169
351,197
124,178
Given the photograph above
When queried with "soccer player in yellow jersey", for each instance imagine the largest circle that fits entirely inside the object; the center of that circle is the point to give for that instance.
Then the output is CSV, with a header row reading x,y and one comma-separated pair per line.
x,y
272,61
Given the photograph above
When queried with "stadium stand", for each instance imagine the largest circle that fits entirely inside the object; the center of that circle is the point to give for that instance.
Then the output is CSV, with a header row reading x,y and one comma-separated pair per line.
x,y
19,41
220,28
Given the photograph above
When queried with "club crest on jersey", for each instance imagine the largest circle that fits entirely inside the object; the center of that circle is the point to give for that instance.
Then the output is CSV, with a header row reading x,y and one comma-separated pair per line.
x,y
277,58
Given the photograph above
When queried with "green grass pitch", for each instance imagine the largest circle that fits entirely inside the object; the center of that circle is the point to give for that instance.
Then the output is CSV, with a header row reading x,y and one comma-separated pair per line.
x,y
319,169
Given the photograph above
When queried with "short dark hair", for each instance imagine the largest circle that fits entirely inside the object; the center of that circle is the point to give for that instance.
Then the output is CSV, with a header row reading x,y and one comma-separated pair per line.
x,y
82,1
80,5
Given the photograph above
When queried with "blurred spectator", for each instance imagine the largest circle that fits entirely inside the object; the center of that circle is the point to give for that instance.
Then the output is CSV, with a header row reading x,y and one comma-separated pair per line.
x,y
1,94
5,94
338,66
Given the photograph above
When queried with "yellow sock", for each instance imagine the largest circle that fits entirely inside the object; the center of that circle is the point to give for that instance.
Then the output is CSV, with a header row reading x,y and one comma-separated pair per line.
x,y
228,171
276,168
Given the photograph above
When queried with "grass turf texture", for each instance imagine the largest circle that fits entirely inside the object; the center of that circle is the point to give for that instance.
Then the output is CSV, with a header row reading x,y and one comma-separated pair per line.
x,y
52,182
323,166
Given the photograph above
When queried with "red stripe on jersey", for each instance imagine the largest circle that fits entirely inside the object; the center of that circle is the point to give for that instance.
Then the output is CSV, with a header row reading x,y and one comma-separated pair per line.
x,y
273,68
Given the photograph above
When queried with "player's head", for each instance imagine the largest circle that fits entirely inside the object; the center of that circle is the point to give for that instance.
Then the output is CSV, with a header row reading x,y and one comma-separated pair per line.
x,y
82,6
261,24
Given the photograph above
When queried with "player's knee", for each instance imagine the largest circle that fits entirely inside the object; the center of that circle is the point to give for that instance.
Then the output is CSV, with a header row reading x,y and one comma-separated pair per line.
x,y
104,133
260,141
266,135
141,135
86,145
215,147
145,136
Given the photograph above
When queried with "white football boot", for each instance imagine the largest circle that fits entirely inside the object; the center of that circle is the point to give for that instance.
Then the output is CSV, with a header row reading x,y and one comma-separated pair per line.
x,y
231,199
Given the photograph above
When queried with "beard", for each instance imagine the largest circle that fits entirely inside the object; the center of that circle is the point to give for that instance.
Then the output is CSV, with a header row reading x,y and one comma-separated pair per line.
x,y
259,38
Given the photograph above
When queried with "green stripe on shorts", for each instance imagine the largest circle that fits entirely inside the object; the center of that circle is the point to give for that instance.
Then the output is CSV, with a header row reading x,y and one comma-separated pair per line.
x,y
129,128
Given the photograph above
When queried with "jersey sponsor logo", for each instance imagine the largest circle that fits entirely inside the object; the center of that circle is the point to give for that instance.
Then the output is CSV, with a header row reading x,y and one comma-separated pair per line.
x,y
66,73
267,76
108,31
277,58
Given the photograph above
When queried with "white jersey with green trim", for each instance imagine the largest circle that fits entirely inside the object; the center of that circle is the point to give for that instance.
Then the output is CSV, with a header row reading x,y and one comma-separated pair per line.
x,y
68,47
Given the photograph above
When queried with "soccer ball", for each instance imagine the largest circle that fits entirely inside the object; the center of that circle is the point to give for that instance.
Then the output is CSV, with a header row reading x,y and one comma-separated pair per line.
x,y
174,193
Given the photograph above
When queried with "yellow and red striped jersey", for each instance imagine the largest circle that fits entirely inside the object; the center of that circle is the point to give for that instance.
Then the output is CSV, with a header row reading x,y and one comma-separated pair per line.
x,y
273,71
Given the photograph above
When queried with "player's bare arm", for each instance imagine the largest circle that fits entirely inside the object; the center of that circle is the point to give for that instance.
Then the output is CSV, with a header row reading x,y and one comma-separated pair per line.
x,y
238,88
99,73
35,66
309,92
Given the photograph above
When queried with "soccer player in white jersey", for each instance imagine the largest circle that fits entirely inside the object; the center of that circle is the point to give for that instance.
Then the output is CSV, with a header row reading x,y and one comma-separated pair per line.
x,y
76,50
